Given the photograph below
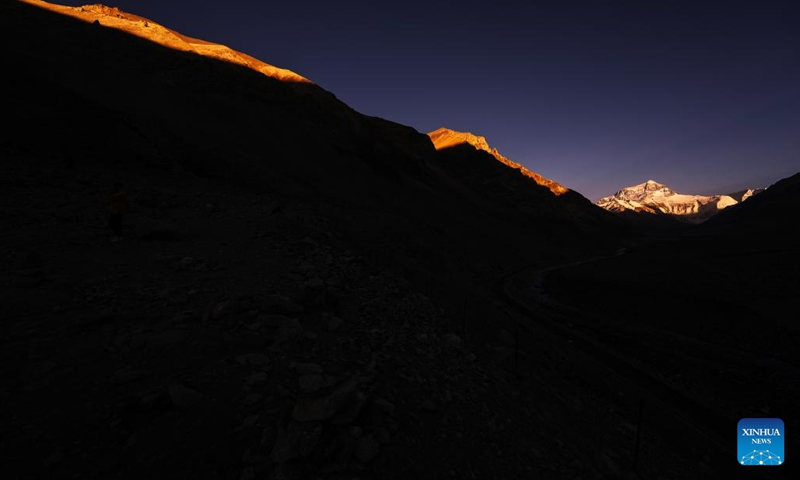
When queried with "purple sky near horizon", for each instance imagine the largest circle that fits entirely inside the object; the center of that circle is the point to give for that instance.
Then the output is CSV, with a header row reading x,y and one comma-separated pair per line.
x,y
596,95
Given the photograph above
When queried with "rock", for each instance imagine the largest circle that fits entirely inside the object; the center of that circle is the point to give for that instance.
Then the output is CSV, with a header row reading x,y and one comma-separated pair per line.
x,y
323,408
340,450
158,230
315,283
28,280
314,293
367,447
274,209
383,435
258,378
31,275
309,243
278,304
166,339
351,411
310,383
289,471
220,310
252,399
506,338
186,263
498,354
428,405
55,458
452,339
273,320
296,441
248,422
254,359
128,375
184,397
138,341
305,368
288,332
253,339
150,400
249,473
268,436
334,324
606,465
385,406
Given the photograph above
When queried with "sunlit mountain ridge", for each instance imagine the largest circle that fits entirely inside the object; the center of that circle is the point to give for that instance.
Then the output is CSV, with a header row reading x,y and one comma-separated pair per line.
x,y
142,27
445,138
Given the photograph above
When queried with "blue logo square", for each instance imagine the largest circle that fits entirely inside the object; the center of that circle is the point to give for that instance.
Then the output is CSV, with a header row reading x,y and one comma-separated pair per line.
x,y
761,442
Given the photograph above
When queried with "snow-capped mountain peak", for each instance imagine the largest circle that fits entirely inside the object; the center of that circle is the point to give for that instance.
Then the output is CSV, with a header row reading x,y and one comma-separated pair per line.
x,y
654,197
644,190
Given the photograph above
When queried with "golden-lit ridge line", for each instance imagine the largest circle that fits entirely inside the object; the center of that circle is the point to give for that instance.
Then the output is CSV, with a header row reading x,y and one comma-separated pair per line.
x,y
445,138
113,17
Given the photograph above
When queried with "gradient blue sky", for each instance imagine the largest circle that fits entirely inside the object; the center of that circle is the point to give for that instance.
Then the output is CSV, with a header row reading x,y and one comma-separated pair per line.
x,y
597,95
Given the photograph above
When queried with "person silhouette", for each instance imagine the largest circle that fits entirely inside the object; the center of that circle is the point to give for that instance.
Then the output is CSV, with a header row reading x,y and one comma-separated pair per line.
x,y
117,201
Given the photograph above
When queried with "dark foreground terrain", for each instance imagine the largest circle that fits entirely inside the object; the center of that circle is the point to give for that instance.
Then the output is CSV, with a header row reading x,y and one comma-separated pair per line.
x,y
226,336
705,323
230,336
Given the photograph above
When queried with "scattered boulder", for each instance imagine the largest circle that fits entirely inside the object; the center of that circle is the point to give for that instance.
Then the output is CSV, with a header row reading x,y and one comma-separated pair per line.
x,y
127,375
351,411
185,398
323,408
255,379
253,359
279,304
297,440
305,368
367,447
310,383
31,273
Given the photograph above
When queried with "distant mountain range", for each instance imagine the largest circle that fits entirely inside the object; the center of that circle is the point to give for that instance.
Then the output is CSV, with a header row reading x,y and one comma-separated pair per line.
x,y
654,198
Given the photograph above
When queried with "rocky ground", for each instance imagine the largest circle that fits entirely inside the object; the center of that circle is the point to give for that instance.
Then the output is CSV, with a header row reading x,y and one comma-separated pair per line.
x,y
694,299
228,336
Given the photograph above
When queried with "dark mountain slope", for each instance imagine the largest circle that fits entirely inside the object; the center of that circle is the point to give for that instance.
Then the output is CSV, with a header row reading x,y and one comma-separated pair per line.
x,y
87,93
520,198
774,212
282,253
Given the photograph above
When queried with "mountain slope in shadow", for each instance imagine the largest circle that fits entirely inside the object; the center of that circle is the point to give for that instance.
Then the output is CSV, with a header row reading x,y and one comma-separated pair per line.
x,y
515,191
774,212
100,96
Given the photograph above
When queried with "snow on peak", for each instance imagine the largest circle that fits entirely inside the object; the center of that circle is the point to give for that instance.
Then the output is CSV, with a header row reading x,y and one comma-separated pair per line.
x,y
655,197
645,190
